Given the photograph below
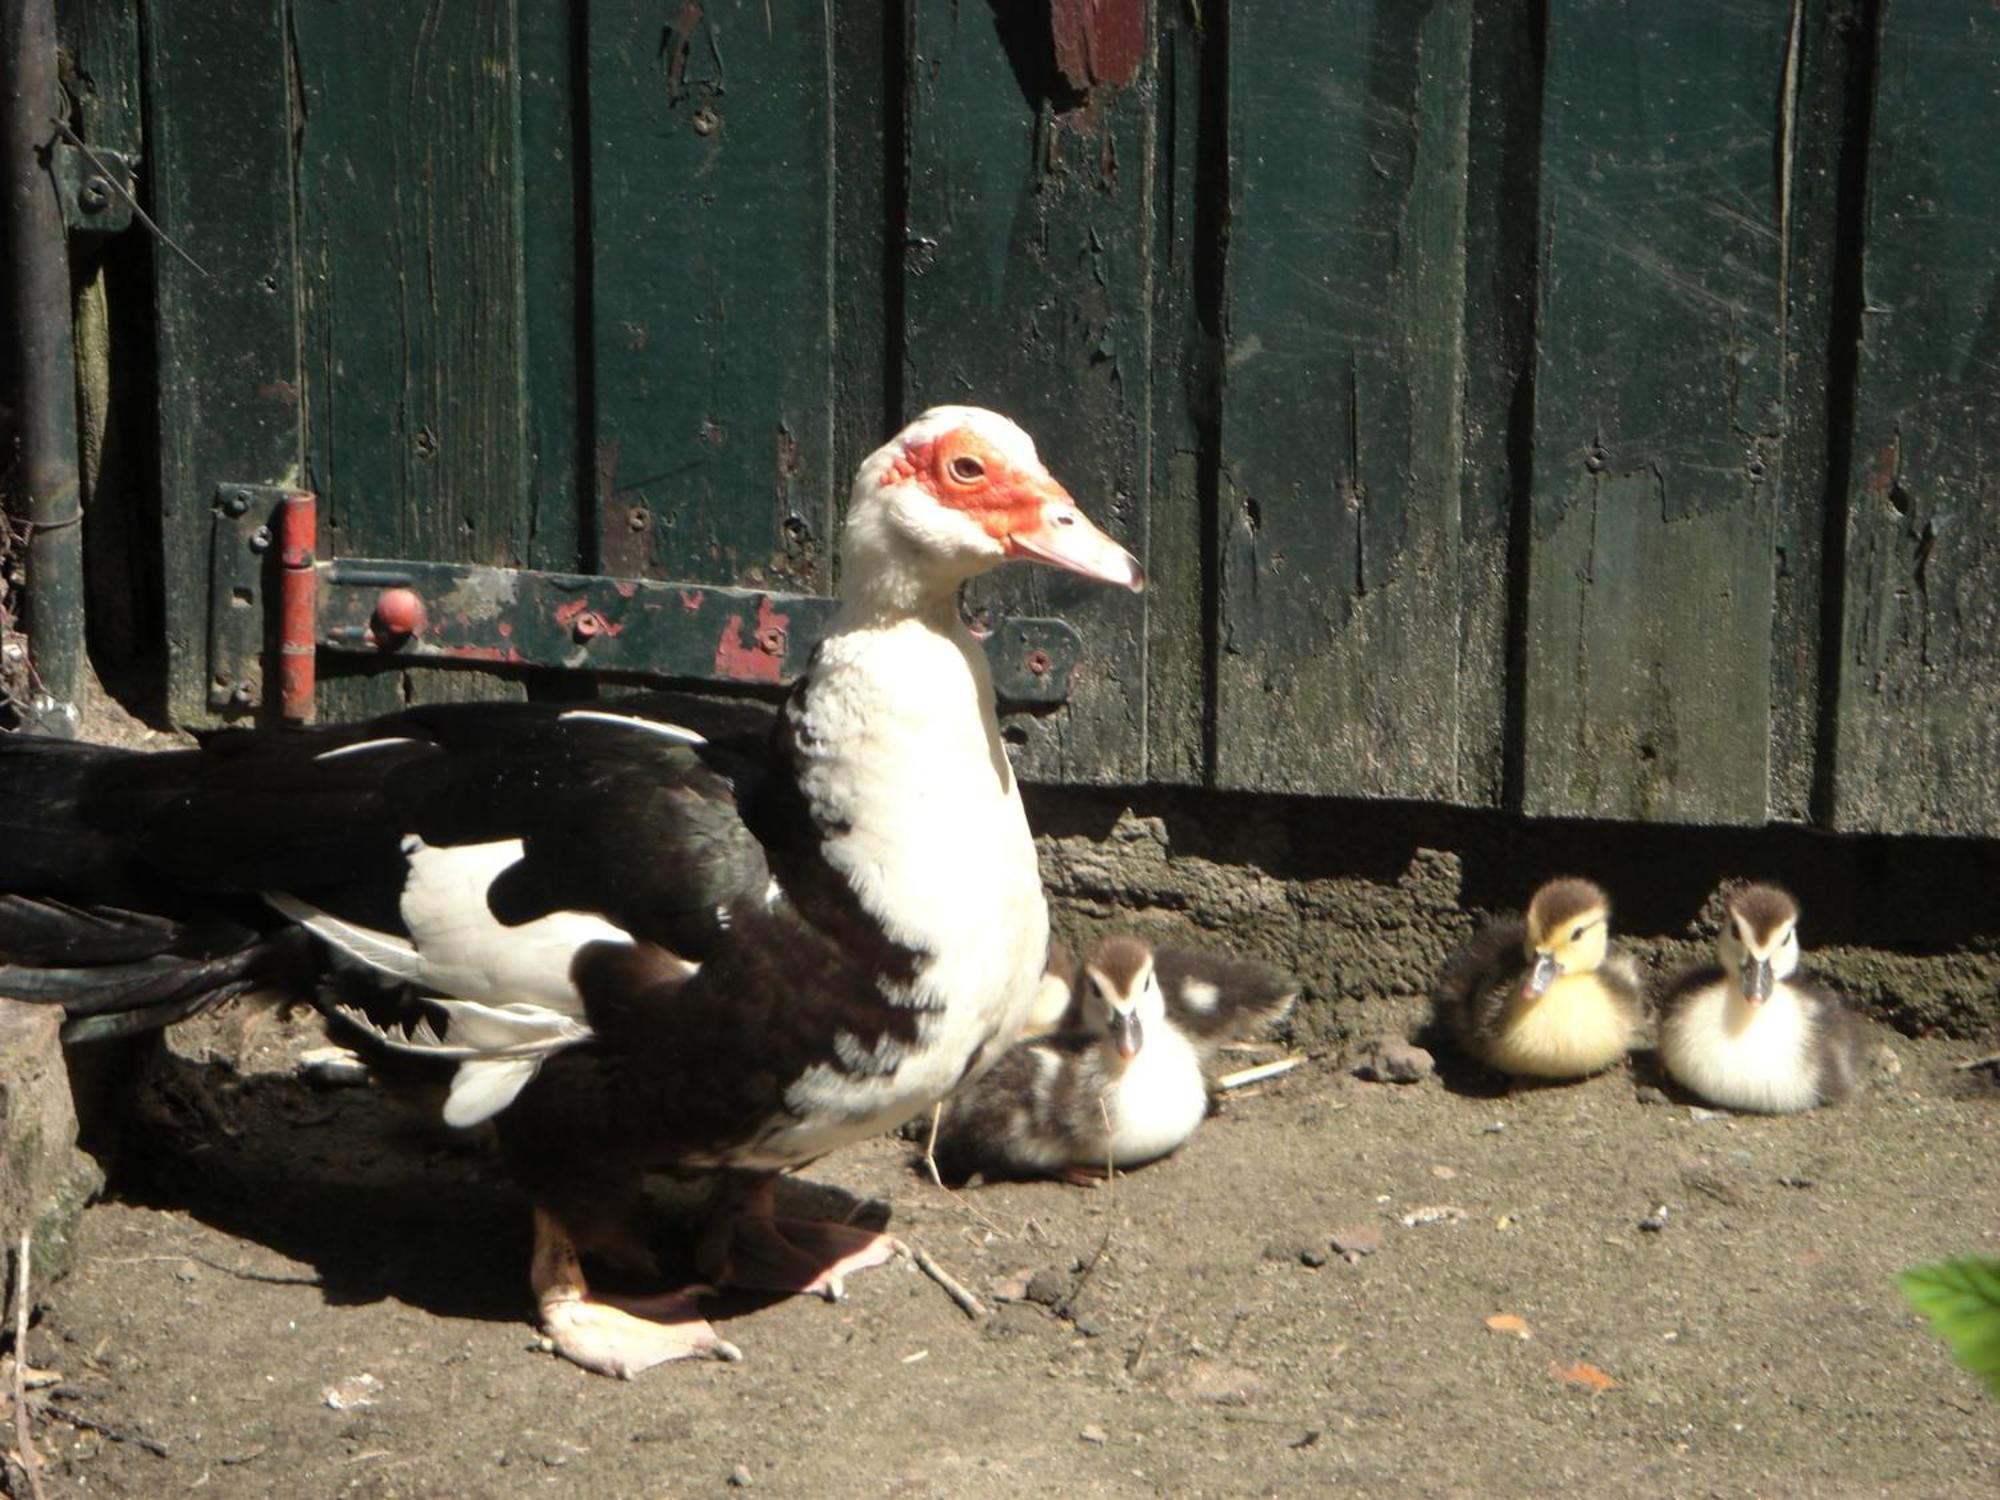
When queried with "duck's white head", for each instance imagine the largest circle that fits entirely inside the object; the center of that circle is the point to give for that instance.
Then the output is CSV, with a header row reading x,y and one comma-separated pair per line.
x,y
1567,931
1759,944
958,491
1122,994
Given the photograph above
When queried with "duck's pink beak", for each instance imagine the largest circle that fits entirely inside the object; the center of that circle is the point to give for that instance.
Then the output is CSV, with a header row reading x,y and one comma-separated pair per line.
x,y
1053,530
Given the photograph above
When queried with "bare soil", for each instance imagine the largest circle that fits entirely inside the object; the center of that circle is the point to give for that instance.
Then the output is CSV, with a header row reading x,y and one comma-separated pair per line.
x,y
304,1290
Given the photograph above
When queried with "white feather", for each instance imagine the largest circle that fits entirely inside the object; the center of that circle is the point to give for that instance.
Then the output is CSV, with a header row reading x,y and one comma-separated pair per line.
x,y
467,953
1200,995
480,1090
381,951
626,721
357,748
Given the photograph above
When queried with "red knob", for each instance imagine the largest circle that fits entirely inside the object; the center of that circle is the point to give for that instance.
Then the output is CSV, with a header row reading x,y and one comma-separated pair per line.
x,y
399,612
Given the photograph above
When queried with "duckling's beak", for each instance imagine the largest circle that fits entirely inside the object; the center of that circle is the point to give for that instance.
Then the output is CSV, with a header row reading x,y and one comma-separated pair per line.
x,y
1545,973
1757,980
1125,1032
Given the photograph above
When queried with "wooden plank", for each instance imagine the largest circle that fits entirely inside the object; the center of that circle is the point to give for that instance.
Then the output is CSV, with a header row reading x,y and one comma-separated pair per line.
x,y
1028,288
711,196
100,70
1338,667
1186,368
1658,411
1827,141
867,180
1918,745
219,168
411,237
115,416
1502,170
554,250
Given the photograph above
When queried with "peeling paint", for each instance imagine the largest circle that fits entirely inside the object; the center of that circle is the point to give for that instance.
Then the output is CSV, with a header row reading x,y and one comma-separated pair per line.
x,y
1098,41
762,659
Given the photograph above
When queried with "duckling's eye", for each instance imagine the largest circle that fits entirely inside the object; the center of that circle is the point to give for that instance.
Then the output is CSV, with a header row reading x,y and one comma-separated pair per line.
x,y
1576,934
965,468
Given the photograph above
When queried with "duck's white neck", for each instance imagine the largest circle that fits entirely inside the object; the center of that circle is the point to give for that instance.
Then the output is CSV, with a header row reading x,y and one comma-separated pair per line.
x,y
885,579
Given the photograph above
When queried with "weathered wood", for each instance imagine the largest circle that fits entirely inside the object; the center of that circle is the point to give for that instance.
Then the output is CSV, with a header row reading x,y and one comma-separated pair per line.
x,y
1658,411
554,249
100,70
1187,301
1341,417
1028,286
219,168
711,189
1919,689
410,237
1502,169
115,418
867,181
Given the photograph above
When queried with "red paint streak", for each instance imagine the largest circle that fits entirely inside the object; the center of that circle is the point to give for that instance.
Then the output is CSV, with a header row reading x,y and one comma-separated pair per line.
x,y
483,653
757,661
626,590
506,629
691,599
1098,41
566,613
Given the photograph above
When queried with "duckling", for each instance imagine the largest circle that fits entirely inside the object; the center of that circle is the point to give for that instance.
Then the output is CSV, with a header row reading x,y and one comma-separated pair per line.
x,y
1122,1088
1750,1032
1211,998
1545,996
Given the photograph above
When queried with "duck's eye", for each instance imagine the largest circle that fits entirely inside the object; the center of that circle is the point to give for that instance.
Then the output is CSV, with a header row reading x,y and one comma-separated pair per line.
x,y
965,469
1576,934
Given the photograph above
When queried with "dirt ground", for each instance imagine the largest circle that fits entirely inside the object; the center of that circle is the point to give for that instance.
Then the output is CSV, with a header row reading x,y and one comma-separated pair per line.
x,y
305,1290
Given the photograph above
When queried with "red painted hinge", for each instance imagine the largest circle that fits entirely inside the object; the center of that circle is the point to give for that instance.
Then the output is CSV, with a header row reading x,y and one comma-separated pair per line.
x,y
298,605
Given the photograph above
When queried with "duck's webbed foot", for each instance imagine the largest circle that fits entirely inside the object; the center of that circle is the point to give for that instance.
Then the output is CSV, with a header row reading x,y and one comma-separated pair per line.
x,y
613,1335
746,1245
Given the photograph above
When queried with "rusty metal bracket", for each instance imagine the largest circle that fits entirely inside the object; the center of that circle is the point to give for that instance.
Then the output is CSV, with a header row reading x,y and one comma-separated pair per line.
x,y
449,612
96,188
274,606
245,589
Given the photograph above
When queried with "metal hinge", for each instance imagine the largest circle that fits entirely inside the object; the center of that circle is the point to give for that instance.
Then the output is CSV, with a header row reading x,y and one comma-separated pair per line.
x,y
272,599
95,188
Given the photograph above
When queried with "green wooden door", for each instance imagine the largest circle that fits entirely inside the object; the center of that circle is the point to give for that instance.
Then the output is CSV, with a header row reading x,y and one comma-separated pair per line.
x,y
1585,408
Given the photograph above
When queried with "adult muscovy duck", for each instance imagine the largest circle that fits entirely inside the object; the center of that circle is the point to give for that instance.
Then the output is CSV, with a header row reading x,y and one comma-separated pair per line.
x,y
640,946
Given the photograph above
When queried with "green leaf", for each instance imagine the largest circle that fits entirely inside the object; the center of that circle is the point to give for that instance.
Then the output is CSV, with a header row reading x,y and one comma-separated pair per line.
x,y
1961,1298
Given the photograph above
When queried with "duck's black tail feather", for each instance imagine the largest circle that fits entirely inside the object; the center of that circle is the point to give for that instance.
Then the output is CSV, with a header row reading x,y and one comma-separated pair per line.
x,y
85,925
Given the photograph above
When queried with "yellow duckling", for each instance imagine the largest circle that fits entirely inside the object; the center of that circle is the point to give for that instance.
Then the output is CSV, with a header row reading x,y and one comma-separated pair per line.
x,y
1545,995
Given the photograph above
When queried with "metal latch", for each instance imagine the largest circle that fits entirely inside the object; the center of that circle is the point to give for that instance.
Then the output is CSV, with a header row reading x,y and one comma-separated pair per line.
x,y
271,596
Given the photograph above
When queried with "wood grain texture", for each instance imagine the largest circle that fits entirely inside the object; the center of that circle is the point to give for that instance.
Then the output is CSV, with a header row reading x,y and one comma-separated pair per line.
x,y
1918,744
1828,117
554,252
1341,438
1502,170
1187,358
410,239
219,169
1658,412
1028,288
711,235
